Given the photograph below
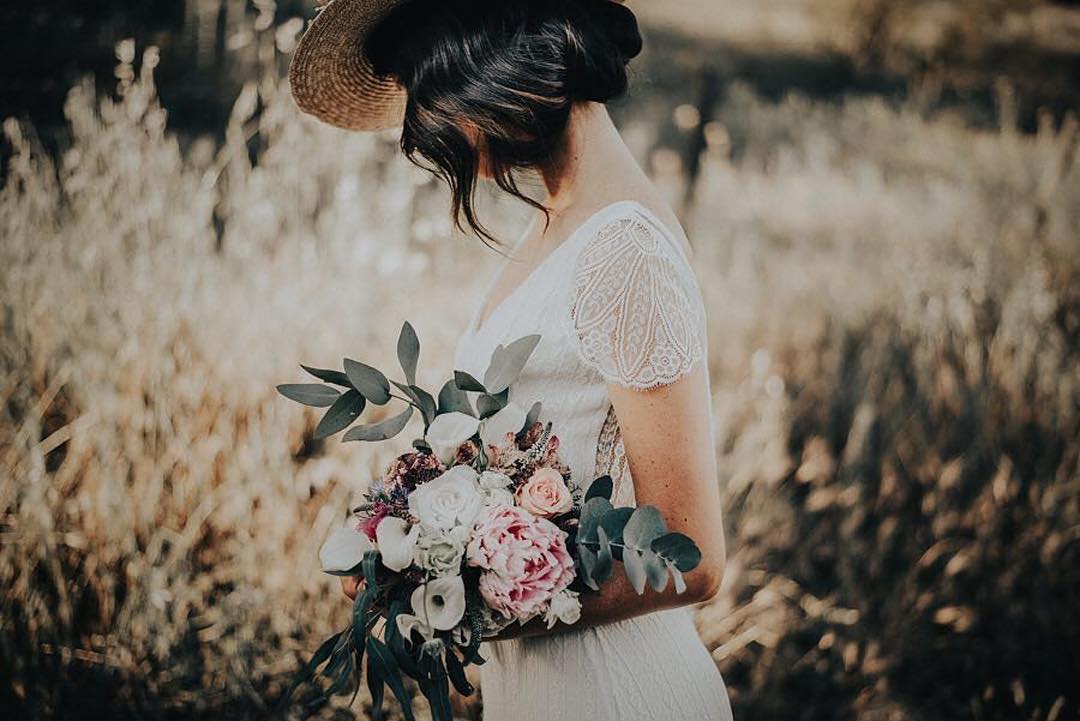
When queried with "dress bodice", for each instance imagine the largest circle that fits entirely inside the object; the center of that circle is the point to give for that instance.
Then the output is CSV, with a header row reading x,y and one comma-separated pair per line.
x,y
616,302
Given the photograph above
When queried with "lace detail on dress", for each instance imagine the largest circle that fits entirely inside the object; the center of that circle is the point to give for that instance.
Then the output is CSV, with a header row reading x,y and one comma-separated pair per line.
x,y
611,461
636,307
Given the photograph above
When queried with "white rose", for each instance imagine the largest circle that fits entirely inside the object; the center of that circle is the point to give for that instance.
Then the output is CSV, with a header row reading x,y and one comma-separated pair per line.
x,y
498,497
448,431
397,542
344,549
490,480
441,552
564,606
452,499
509,419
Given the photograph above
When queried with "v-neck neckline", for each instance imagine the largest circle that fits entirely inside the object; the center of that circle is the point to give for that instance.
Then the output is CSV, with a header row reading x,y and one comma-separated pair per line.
x,y
478,325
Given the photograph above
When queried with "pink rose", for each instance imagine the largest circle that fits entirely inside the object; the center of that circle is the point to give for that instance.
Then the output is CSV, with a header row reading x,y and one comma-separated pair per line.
x,y
524,559
545,494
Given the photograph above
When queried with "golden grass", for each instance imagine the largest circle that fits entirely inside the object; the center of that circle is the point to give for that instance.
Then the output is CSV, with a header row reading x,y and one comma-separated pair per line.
x,y
894,314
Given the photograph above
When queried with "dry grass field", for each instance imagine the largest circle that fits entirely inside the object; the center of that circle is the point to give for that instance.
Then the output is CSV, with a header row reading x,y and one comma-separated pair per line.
x,y
894,307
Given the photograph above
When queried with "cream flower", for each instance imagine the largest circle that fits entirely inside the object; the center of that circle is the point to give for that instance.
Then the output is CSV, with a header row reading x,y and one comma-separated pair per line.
x,y
490,480
344,549
565,607
437,606
452,499
442,552
448,431
397,542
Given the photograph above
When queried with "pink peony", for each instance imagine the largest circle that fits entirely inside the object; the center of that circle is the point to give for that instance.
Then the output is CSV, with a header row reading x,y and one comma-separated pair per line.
x,y
545,494
524,559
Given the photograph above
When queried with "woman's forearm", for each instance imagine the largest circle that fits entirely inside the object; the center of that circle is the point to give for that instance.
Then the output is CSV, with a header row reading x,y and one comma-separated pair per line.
x,y
617,600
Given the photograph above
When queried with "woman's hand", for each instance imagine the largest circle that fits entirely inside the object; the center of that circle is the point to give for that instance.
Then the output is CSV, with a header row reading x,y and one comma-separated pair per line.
x,y
351,586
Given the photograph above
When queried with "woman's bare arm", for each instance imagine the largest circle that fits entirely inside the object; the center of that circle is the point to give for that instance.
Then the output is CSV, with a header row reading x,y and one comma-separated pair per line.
x,y
666,432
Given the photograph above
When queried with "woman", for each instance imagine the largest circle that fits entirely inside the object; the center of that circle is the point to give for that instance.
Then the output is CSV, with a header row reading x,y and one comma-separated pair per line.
x,y
496,89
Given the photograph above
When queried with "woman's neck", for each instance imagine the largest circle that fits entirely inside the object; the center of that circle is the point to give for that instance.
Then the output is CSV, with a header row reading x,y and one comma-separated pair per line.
x,y
593,160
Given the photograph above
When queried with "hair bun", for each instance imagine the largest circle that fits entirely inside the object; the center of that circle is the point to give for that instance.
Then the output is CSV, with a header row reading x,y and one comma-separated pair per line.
x,y
621,25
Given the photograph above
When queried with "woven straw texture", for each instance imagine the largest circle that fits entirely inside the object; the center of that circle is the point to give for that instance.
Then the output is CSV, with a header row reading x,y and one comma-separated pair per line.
x,y
330,76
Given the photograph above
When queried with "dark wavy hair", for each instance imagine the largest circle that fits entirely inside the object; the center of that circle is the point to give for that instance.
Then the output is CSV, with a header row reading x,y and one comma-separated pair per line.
x,y
493,81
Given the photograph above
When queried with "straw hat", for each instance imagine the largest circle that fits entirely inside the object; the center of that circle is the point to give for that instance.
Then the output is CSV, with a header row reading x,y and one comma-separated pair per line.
x,y
330,75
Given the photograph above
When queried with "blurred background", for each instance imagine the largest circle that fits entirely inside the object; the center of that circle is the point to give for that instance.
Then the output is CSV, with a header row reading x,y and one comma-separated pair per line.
x,y
884,199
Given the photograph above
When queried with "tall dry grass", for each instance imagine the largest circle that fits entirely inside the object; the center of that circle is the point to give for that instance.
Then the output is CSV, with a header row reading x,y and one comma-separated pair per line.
x,y
894,317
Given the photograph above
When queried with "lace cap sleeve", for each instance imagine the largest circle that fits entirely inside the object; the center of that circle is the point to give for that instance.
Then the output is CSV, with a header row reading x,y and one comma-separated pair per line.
x,y
636,308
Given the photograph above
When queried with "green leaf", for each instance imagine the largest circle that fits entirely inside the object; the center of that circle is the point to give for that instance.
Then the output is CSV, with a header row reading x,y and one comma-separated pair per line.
x,y
437,691
456,671
380,656
507,362
600,488
586,564
453,399
635,569
532,416
421,398
466,382
336,377
408,351
376,687
346,409
380,431
655,570
310,394
488,405
613,524
307,672
371,383
645,525
592,513
604,560
678,550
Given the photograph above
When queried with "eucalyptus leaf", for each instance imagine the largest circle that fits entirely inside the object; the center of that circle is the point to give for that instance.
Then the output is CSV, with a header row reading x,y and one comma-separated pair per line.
x,y
336,377
421,398
310,394
592,512
507,362
644,526
604,559
635,569
453,399
655,570
371,382
466,382
532,416
600,488
586,563
678,550
613,524
408,351
346,409
488,405
382,430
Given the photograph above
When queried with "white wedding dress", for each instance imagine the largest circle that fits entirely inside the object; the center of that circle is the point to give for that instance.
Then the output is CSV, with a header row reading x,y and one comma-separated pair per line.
x,y
617,301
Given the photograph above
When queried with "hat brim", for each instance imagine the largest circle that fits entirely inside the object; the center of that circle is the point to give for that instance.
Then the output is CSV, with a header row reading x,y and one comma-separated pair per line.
x,y
330,76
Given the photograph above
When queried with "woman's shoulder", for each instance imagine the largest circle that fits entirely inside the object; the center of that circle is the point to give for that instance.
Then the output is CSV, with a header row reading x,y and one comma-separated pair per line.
x,y
636,306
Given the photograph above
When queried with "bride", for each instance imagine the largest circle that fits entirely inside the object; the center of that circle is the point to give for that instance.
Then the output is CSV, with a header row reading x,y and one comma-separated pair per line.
x,y
493,89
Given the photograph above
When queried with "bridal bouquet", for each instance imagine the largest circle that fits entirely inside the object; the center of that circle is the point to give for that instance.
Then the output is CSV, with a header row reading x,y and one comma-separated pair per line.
x,y
479,526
